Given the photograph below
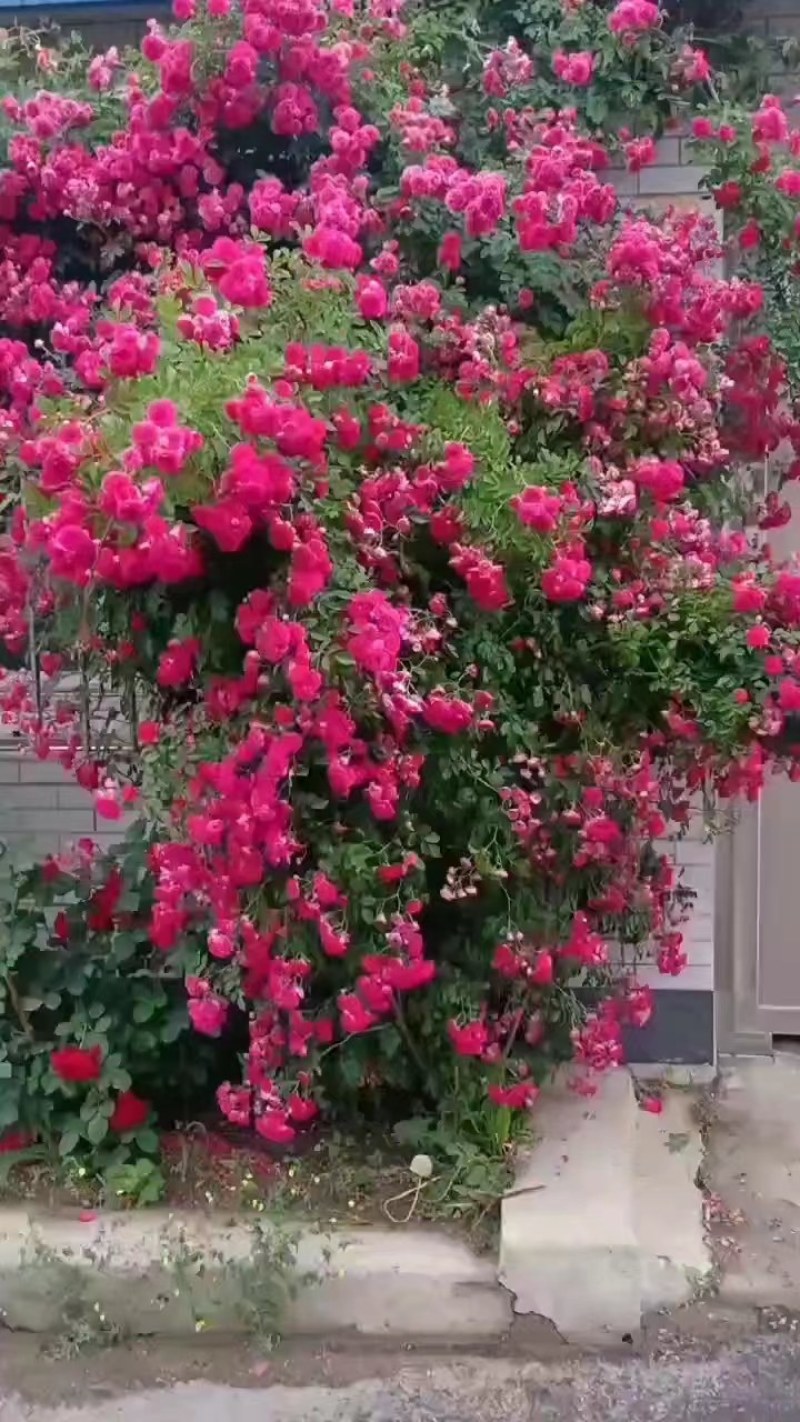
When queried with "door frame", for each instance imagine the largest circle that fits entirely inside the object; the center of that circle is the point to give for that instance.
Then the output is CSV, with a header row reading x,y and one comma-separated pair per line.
x,y
744,1026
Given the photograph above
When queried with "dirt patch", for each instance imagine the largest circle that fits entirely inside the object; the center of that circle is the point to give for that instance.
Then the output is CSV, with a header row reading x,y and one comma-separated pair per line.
x,y
695,1333
335,1180
25,1369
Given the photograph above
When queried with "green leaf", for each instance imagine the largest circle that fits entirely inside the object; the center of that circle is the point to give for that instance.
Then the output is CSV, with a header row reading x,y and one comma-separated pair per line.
x,y
68,1142
9,1108
125,946
416,1131
97,1129
351,1070
391,1042
174,1026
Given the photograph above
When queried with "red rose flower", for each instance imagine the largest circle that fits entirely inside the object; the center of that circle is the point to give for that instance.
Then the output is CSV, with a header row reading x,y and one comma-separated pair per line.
x,y
14,1140
130,1112
149,733
77,1063
653,1104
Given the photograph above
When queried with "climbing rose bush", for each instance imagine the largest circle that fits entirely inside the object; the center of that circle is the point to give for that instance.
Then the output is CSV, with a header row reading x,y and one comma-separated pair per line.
x,y
397,520
88,1005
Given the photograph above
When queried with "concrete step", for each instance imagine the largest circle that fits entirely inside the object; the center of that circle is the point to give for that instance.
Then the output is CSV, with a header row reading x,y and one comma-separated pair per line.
x,y
605,1221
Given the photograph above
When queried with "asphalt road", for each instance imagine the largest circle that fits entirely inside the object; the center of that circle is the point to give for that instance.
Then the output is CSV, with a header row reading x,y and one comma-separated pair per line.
x,y
757,1380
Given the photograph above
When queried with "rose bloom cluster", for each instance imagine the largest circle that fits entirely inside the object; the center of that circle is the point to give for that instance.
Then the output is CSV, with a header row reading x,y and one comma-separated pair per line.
x,y
297,764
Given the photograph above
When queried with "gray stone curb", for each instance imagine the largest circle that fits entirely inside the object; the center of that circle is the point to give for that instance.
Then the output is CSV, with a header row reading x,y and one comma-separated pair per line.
x,y
153,1272
603,1227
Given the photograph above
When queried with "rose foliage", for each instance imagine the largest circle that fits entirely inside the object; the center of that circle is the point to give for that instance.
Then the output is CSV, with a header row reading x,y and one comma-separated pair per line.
x,y
379,470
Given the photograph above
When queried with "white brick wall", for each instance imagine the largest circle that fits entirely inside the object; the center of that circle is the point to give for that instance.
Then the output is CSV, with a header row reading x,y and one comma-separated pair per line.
x,y
695,856
673,178
41,807
775,20
673,181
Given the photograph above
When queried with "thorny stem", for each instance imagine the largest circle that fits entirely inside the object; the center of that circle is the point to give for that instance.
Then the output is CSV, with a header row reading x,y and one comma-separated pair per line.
x,y
16,1003
512,1036
402,1027
337,1046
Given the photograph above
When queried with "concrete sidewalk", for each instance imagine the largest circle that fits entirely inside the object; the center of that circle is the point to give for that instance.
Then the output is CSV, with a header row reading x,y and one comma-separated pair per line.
x,y
617,1215
632,1215
603,1226
753,1177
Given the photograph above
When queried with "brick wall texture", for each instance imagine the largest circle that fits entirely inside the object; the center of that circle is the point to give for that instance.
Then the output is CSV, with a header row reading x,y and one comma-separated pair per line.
x,y
695,857
674,181
42,808
779,19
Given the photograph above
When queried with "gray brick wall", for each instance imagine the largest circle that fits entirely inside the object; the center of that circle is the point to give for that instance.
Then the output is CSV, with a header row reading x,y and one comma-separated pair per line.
x,y
100,25
771,17
673,181
775,20
695,857
41,807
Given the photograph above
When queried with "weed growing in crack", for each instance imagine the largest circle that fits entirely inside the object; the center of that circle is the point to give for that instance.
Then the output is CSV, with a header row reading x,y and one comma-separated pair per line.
x,y
85,1326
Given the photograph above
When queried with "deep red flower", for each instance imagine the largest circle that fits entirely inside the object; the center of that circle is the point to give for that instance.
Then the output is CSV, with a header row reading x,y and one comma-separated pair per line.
x,y
449,254
652,1104
469,1041
130,1112
14,1140
78,1064
149,733
515,1098
728,195
275,1128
